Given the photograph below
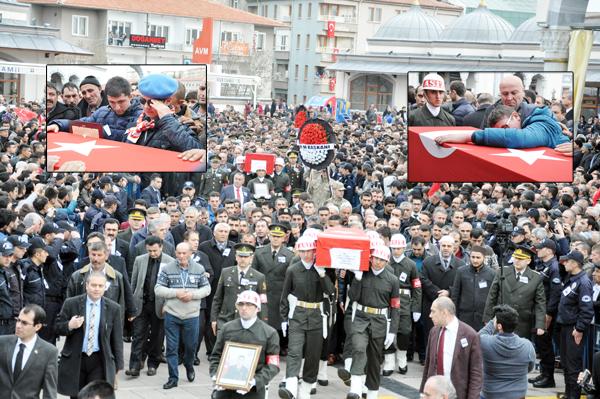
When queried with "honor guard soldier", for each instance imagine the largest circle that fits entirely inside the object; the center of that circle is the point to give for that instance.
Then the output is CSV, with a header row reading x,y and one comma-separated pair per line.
x,y
376,301
281,181
523,290
248,329
432,113
273,261
233,281
302,309
295,171
575,313
406,272
214,179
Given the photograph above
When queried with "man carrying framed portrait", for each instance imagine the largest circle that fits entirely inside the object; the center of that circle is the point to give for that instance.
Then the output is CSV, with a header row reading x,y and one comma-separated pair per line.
x,y
245,357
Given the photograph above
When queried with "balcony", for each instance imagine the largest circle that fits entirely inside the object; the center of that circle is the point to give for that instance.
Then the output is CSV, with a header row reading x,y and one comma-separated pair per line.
x,y
280,76
322,85
329,54
282,54
346,23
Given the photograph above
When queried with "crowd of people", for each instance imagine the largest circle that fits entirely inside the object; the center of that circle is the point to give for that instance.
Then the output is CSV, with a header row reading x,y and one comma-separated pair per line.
x,y
167,262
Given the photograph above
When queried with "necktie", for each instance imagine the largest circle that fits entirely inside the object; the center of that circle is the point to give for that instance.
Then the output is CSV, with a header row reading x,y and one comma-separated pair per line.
x,y
238,195
242,274
19,362
440,353
518,276
445,264
274,254
437,244
91,331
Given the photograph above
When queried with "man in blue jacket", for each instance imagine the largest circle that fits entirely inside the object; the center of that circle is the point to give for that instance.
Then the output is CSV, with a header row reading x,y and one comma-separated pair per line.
x,y
158,126
121,112
540,129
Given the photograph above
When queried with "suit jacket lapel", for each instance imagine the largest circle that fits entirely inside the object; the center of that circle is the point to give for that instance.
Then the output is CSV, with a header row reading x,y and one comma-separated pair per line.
x,y
457,345
9,354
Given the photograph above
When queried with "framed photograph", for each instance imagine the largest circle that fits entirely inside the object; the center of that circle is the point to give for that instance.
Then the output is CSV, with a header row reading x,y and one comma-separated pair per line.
x,y
238,365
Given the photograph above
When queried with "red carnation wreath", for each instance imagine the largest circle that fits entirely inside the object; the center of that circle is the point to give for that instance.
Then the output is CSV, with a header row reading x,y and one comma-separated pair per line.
x,y
317,144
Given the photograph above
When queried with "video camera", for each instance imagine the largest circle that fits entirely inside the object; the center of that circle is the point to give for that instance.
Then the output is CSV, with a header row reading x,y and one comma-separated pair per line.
x,y
502,227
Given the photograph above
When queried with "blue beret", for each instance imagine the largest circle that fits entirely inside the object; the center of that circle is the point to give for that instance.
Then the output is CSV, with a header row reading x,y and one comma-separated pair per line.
x,y
158,86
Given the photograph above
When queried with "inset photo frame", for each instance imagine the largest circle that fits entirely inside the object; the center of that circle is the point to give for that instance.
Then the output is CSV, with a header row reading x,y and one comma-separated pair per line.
x,y
238,365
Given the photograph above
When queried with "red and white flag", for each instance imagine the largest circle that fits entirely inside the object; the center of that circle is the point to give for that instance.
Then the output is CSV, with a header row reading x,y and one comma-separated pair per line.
x,y
330,28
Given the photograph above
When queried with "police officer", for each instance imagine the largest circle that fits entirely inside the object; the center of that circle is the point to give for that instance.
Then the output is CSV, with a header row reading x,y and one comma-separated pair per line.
x,y
471,287
575,312
214,179
376,301
406,272
7,325
35,284
232,282
273,261
281,181
302,310
522,289
158,126
432,114
248,329
547,266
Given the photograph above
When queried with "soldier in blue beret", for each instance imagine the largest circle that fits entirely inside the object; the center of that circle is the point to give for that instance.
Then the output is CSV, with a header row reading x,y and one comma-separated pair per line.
x,y
158,127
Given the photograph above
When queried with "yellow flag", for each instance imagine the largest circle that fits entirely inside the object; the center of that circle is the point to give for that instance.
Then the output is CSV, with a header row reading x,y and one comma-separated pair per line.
x,y
580,47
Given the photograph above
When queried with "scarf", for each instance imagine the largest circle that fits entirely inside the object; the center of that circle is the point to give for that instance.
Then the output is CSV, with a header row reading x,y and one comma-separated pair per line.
x,y
134,132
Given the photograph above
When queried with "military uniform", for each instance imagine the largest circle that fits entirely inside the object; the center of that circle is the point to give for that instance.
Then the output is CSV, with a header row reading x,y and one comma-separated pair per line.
x,y
296,175
423,117
282,186
525,295
267,367
409,282
375,314
256,180
229,286
212,180
575,313
305,319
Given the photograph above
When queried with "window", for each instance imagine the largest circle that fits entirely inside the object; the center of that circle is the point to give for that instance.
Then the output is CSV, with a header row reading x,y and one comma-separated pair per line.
x,y
160,31
303,99
374,14
298,41
308,42
118,31
300,11
79,25
259,41
230,37
305,72
282,43
296,72
234,3
295,99
275,16
191,35
370,89
309,12
265,11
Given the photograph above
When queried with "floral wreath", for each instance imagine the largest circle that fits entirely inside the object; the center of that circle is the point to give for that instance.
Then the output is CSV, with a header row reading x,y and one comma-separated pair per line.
x,y
317,143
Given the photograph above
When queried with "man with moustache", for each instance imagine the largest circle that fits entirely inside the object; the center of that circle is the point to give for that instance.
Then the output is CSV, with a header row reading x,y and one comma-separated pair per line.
x,y
56,109
92,96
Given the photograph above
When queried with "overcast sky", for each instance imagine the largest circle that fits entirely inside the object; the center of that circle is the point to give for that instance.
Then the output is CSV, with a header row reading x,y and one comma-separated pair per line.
x,y
593,6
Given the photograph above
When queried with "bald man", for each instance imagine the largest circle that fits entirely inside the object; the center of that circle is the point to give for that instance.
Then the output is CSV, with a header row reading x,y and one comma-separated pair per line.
x,y
512,94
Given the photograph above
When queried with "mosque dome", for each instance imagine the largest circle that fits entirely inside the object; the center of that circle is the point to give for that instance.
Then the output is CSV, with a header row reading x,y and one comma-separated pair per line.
x,y
413,24
479,26
527,32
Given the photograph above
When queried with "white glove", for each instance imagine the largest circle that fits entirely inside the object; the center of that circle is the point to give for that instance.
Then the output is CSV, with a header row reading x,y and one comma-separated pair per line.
x,y
242,392
358,274
321,271
416,316
284,326
389,340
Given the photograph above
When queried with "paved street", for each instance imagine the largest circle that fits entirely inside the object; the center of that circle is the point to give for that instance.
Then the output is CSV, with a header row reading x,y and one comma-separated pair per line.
x,y
396,386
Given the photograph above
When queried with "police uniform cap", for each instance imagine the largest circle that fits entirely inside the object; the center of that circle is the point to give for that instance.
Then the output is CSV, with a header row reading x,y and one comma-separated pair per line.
x,y
96,195
188,184
6,248
37,243
158,86
137,214
65,226
49,228
278,230
573,255
547,243
517,231
243,249
19,241
284,211
523,252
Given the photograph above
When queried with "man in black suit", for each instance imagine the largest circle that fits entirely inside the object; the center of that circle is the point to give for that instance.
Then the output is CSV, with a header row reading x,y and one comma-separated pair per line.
x,y
28,364
438,276
475,119
94,347
236,191
191,222
151,194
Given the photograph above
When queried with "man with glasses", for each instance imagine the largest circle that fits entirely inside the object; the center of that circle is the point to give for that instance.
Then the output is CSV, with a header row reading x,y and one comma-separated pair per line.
x,y
28,364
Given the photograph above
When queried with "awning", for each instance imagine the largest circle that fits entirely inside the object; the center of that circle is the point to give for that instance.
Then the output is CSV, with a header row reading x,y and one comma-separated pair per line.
x,y
46,43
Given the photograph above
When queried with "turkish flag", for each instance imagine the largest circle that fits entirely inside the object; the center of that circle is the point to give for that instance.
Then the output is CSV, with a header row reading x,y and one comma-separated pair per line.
x,y
330,28
434,188
100,155
254,161
453,162
332,84
343,248
202,50
25,115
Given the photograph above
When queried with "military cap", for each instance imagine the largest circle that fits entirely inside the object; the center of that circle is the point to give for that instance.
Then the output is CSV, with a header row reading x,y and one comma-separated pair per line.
x,y
278,230
215,156
243,249
158,86
137,214
523,252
